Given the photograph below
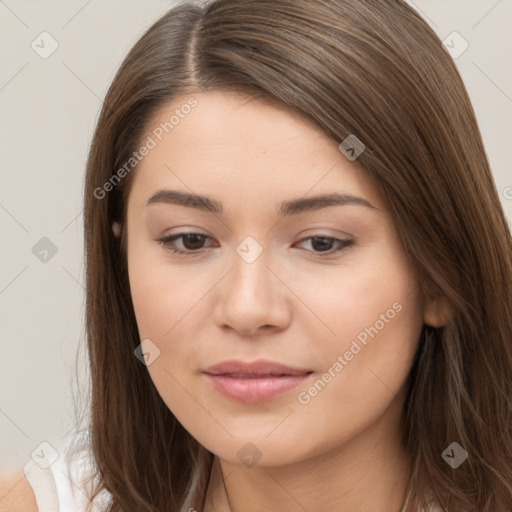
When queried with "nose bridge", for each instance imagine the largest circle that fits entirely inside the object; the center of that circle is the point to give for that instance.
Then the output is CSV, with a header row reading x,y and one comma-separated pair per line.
x,y
250,275
251,296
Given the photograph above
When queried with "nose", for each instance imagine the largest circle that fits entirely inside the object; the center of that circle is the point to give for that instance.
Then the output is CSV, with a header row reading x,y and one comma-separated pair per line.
x,y
252,297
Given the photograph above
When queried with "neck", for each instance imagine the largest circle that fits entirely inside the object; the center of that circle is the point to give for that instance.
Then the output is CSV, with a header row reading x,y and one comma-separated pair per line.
x,y
368,472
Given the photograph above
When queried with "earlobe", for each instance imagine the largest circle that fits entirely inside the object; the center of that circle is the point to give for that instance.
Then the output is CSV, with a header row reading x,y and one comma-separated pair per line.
x,y
116,228
438,312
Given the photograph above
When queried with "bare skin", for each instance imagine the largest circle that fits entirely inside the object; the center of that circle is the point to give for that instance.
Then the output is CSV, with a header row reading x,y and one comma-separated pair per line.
x,y
16,494
336,448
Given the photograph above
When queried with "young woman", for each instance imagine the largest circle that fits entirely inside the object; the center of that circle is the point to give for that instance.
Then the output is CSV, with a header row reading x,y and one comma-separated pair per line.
x,y
298,271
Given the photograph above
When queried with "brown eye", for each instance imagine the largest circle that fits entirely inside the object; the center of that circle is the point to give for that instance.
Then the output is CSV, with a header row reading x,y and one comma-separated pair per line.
x,y
324,244
191,242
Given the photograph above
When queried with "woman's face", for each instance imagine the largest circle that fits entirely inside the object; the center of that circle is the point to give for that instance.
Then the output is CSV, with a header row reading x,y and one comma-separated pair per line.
x,y
269,275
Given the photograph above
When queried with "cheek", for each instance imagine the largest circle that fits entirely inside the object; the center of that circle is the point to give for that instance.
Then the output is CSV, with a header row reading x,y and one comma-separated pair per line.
x,y
163,295
171,309
363,373
367,289
166,302
376,314
374,309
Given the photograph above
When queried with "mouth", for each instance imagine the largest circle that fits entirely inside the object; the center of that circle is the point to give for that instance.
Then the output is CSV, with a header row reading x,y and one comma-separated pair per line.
x,y
254,382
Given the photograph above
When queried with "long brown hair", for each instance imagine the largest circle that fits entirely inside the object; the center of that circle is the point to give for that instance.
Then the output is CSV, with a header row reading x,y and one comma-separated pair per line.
x,y
365,67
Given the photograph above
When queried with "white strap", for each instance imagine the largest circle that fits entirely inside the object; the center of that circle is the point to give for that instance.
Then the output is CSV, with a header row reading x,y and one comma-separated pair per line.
x,y
43,485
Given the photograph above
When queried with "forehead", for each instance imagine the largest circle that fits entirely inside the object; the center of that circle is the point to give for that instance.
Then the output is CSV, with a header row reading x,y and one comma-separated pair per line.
x,y
229,121
237,145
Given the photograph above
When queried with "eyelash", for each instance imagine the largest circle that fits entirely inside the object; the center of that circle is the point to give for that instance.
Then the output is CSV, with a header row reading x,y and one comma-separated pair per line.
x,y
166,242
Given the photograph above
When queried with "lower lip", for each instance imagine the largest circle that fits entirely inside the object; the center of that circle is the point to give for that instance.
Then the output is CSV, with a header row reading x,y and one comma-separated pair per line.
x,y
253,390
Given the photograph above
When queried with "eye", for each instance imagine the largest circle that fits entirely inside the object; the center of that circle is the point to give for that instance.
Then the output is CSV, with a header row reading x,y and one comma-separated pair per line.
x,y
322,245
193,243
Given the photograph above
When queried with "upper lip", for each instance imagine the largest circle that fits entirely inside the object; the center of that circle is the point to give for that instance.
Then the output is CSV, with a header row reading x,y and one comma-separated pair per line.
x,y
261,367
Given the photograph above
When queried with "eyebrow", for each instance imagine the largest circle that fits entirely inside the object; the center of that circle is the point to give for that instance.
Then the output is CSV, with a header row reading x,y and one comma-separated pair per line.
x,y
292,207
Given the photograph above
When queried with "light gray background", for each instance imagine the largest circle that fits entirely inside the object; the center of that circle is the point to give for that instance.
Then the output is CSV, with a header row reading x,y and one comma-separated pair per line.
x,y
49,109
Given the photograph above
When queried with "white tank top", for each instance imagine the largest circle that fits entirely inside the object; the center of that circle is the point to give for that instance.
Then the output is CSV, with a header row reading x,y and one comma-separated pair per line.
x,y
61,479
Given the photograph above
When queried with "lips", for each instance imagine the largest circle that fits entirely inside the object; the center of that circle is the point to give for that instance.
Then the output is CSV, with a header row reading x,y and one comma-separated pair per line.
x,y
254,382
259,368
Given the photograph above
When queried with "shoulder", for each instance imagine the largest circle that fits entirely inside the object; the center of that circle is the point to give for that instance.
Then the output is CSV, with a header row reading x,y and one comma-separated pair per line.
x,y
59,479
16,494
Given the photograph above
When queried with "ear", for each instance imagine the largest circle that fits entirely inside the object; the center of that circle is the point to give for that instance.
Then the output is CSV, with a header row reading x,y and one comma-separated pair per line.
x,y
438,312
116,228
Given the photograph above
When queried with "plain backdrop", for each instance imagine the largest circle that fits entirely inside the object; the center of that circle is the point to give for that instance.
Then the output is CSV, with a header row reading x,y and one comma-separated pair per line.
x,y
49,107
